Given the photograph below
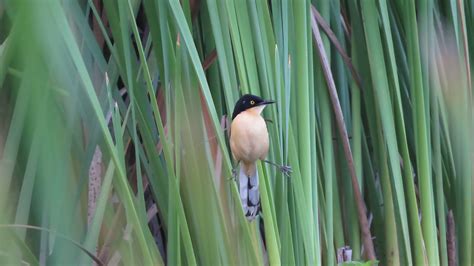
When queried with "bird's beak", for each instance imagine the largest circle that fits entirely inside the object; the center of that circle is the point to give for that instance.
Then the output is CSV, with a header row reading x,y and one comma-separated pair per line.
x,y
266,102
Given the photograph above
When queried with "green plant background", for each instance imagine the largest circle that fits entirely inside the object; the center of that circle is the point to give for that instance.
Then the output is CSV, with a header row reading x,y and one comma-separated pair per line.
x,y
139,92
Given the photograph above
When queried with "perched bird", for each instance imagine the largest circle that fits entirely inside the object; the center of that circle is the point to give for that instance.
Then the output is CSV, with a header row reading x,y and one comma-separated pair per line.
x,y
249,143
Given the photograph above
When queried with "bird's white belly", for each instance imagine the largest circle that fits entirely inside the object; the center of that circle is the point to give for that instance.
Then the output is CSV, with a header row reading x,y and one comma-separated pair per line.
x,y
249,138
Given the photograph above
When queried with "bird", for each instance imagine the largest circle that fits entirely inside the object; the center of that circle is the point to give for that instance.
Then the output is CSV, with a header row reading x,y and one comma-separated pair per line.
x,y
249,142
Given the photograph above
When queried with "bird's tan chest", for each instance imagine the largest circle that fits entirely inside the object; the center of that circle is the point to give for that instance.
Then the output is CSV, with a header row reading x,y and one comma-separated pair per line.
x,y
249,138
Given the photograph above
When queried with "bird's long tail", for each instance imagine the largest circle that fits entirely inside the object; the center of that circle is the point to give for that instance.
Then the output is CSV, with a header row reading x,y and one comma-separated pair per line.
x,y
249,193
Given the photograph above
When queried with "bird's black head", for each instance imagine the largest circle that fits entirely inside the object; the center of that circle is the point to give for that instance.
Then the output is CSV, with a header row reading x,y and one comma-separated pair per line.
x,y
248,101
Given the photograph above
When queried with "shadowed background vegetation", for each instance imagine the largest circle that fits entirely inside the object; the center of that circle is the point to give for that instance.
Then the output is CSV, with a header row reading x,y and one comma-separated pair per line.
x,y
114,131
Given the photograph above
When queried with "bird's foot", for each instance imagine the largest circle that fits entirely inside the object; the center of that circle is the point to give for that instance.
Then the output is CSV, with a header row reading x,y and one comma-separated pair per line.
x,y
286,170
234,175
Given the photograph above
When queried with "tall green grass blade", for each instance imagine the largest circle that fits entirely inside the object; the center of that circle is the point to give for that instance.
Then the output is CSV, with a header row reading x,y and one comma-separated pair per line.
x,y
380,84
301,70
421,135
415,228
174,70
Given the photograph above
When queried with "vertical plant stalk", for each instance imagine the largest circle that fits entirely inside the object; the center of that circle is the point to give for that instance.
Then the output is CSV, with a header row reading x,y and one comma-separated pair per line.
x,y
303,130
421,120
451,238
364,225
462,21
465,184
392,73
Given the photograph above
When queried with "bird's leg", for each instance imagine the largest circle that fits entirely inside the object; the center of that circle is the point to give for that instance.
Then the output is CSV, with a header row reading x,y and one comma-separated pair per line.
x,y
234,172
285,169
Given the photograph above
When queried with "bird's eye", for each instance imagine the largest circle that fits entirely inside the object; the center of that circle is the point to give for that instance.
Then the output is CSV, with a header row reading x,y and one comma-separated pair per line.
x,y
252,102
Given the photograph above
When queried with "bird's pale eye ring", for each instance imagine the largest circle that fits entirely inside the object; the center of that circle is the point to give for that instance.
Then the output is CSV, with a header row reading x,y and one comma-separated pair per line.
x,y
252,102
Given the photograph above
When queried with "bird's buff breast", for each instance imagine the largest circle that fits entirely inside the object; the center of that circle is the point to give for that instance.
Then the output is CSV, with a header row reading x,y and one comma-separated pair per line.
x,y
249,137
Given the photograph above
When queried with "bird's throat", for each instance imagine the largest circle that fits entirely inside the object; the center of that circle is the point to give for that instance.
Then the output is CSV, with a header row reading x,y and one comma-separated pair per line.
x,y
257,109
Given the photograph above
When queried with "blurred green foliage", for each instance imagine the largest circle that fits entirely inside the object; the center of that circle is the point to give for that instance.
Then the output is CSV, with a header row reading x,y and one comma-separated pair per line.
x,y
113,131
